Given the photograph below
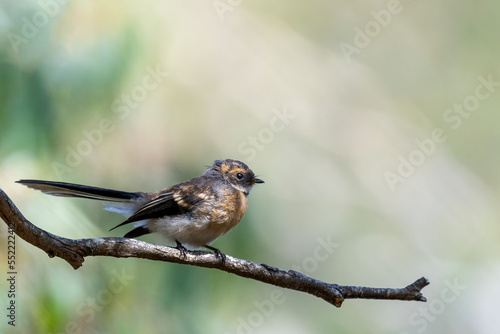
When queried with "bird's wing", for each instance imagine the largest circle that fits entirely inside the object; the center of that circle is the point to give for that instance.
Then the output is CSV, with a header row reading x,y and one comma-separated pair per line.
x,y
171,202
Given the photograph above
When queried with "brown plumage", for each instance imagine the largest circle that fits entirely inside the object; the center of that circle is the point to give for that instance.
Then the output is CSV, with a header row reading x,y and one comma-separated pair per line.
x,y
194,212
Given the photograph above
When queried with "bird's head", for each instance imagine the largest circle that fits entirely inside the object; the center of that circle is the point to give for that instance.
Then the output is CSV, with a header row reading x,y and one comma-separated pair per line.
x,y
236,173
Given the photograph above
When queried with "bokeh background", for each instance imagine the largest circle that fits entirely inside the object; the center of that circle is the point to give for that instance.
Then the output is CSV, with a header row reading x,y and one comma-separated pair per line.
x,y
374,125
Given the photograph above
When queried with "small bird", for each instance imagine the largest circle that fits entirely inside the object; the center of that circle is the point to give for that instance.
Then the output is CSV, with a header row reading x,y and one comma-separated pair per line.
x,y
194,212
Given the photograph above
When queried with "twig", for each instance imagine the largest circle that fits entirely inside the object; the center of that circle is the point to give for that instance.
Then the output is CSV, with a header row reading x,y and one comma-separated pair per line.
x,y
74,252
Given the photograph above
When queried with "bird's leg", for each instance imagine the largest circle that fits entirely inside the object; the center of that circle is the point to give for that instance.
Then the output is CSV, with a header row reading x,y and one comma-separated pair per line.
x,y
181,248
217,252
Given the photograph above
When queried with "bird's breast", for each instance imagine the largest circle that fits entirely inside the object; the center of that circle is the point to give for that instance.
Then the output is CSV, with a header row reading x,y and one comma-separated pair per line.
x,y
229,211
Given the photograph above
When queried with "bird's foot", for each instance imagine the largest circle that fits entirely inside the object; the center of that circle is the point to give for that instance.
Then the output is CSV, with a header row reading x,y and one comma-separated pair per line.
x,y
218,253
181,248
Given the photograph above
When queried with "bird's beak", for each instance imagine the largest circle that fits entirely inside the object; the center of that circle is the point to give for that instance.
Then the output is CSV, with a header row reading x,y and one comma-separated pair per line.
x,y
257,181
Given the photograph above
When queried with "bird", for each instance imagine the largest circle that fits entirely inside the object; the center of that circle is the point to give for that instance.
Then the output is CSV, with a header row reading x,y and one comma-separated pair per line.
x,y
192,213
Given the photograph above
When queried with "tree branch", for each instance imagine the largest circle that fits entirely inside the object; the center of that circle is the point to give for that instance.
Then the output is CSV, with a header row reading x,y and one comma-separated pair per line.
x,y
75,251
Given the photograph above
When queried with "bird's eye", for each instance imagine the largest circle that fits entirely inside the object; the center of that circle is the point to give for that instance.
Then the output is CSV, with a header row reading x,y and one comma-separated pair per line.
x,y
239,176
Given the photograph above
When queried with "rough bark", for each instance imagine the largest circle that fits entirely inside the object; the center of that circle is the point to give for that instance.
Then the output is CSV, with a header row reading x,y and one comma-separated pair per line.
x,y
74,252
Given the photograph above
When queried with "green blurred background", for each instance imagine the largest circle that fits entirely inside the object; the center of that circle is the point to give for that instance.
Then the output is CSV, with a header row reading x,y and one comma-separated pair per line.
x,y
322,99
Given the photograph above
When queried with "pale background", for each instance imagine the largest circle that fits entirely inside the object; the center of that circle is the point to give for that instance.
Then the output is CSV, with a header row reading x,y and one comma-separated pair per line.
x,y
224,71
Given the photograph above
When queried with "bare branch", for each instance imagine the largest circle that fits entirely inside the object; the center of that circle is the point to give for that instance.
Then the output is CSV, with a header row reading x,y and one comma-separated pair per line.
x,y
75,251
